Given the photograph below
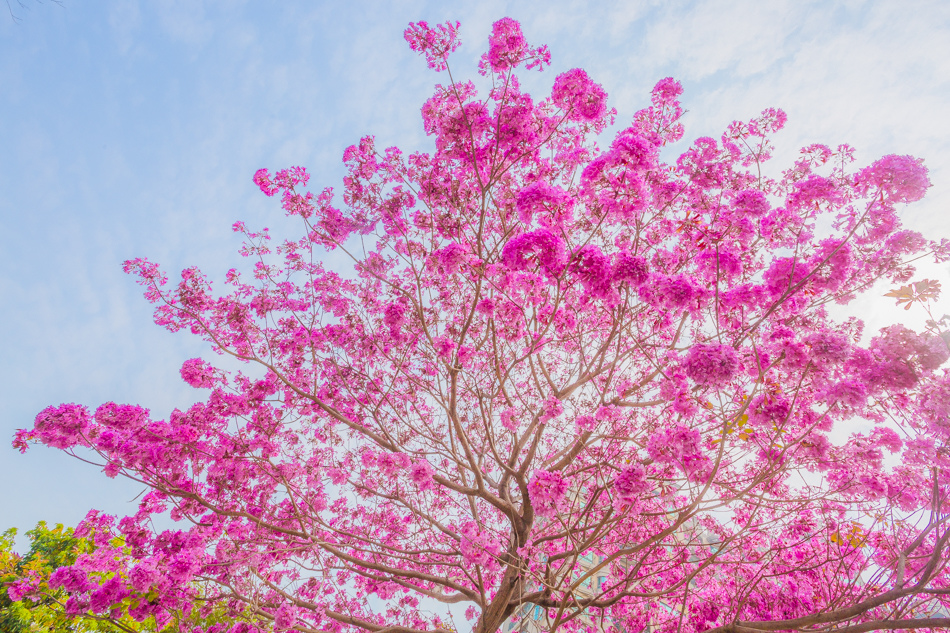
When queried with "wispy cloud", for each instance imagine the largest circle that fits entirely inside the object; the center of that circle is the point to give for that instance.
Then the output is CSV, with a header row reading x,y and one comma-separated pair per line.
x,y
134,128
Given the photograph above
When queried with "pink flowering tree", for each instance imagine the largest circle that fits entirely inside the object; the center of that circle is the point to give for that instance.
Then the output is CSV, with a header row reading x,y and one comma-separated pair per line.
x,y
558,377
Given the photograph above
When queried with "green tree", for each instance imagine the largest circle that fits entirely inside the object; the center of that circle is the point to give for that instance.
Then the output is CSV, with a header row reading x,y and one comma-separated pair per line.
x,y
43,608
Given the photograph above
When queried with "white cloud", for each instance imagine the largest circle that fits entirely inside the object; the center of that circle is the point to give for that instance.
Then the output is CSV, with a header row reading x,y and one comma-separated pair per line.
x,y
125,19
151,152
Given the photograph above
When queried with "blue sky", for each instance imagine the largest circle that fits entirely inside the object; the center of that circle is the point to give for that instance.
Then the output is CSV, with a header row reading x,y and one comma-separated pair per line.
x,y
133,129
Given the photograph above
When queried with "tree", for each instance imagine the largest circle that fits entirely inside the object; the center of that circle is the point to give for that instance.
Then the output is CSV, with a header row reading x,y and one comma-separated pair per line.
x,y
556,376
22,5
36,600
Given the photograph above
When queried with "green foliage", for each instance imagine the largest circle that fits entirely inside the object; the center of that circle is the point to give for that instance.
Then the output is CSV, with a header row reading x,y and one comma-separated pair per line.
x,y
43,612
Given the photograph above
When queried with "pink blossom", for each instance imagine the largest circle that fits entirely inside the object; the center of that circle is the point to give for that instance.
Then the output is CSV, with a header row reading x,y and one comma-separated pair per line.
x,y
679,446
719,262
551,409
906,242
932,352
711,364
665,91
784,274
285,617
769,411
76,605
550,204
108,594
892,374
578,96
886,438
595,170
594,270
812,190
434,43
671,292
197,373
631,483
69,578
752,202
630,269
392,463
262,180
123,417
828,347
394,316
478,547
63,426
704,163
635,151
898,345
421,473
22,588
586,423
445,348
485,306
143,577
507,46
451,258
900,178
542,246
547,490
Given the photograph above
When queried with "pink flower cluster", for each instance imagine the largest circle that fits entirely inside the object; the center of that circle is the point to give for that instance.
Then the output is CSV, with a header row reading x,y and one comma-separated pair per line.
x,y
64,426
72,579
632,483
477,546
828,347
434,43
711,364
681,447
719,262
421,473
671,292
549,203
449,260
594,270
752,202
849,393
546,490
900,178
285,179
394,316
541,246
197,373
812,191
898,357
634,151
507,46
630,269
579,97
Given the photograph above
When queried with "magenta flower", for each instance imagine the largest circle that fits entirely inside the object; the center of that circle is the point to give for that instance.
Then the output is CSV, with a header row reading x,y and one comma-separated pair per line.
x,y
581,98
900,178
435,43
71,579
197,373
752,202
711,364
631,483
541,246
630,269
506,45
547,490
